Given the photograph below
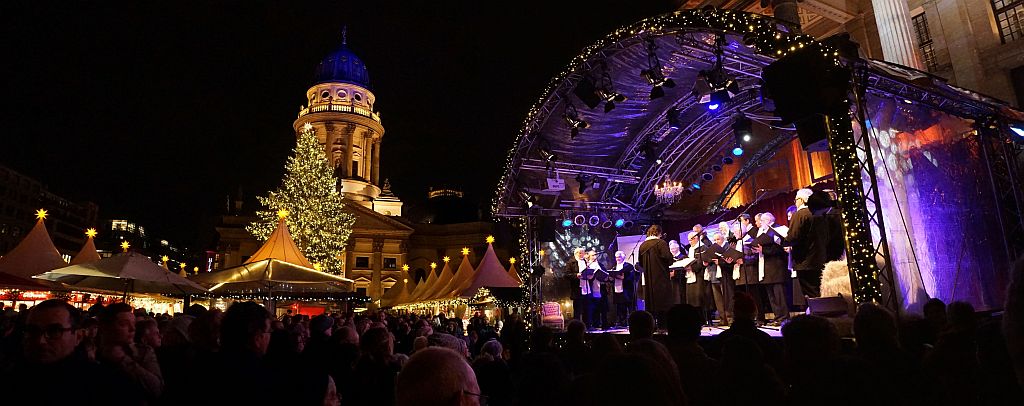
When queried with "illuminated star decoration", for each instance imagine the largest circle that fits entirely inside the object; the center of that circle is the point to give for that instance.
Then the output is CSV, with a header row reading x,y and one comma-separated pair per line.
x,y
125,245
195,270
282,213
165,258
465,251
90,232
541,253
41,214
446,259
316,265
405,267
490,239
307,127
512,261
433,265
182,266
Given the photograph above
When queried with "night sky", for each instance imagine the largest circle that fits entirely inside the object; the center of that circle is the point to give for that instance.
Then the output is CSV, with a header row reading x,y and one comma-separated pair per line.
x,y
158,110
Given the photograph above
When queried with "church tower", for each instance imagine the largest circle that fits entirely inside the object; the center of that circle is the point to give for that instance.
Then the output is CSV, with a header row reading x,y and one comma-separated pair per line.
x,y
340,111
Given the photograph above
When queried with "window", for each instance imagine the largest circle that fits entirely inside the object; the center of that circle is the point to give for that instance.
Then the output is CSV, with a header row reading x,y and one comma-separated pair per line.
x,y
924,42
1009,14
362,262
325,94
359,97
390,263
341,94
361,291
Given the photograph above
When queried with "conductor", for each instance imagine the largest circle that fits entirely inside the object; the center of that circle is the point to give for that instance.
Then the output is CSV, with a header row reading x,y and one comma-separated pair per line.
x,y
655,259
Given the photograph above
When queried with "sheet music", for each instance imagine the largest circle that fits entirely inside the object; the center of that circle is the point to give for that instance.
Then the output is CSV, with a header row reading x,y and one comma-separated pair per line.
x,y
682,263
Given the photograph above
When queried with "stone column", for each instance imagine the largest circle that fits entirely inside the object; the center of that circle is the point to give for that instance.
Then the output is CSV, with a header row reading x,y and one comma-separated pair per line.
x,y
376,162
378,267
894,30
350,132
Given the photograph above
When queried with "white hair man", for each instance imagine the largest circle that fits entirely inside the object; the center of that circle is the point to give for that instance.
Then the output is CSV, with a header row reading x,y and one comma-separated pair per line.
x,y
808,237
772,268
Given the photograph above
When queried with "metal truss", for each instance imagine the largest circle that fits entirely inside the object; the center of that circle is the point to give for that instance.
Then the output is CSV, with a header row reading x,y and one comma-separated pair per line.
x,y
611,174
759,158
961,105
1003,161
870,194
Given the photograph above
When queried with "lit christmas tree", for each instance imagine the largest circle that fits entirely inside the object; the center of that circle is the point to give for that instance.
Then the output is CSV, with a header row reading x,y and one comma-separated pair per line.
x,y
308,192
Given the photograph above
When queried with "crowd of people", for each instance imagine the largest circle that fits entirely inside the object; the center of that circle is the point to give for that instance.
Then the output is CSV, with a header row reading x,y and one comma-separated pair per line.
x,y
53,353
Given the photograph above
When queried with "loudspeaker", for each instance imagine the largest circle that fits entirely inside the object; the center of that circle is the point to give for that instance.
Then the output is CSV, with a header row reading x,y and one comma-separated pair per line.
x,y
803,83
537,271
813,133
546,227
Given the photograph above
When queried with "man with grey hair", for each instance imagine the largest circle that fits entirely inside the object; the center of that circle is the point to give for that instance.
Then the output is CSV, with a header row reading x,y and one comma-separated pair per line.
x,y
437,377
624,279
808,237
773,270
570,274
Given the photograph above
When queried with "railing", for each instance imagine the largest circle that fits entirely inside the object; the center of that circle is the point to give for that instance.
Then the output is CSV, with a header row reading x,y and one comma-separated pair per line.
x,y
340,108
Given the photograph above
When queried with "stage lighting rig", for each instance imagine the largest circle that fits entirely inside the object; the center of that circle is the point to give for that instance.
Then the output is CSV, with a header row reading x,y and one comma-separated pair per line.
x,y
583,181
714,87
742,128
673,118
654,73
650,151
593,91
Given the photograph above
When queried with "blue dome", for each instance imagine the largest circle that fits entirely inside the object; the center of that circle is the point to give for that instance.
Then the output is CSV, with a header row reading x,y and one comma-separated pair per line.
x,y
342,66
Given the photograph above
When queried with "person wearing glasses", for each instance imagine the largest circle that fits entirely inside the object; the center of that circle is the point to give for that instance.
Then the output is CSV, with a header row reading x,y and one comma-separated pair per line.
x,y
52,372
437,376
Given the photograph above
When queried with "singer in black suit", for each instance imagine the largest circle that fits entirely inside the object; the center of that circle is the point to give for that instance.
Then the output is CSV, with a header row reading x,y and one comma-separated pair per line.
x,y
654,262
774,264
624,280
571,274
808,235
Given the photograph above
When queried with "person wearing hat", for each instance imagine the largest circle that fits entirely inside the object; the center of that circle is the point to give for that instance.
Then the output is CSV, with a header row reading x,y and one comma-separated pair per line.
x,y
808,237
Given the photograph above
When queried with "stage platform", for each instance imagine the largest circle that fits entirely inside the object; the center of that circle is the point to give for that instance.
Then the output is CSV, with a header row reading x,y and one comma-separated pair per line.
x,y
705,332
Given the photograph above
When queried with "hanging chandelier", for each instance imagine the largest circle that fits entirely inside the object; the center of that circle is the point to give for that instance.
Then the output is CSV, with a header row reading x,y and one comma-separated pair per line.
x,y
668,192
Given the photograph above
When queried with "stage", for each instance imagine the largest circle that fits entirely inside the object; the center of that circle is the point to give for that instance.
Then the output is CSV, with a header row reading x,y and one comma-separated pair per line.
x,y
712,331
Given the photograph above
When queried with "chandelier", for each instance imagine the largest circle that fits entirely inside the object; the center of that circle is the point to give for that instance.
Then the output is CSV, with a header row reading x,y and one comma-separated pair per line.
x,y
668,192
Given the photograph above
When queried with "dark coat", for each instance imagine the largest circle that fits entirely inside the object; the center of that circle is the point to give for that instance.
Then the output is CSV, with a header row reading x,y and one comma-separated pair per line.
x,y
654,261
569,275
629,281
776,262
808,235
748,271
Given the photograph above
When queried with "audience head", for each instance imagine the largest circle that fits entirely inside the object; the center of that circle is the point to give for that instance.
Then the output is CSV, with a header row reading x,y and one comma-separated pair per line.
x,y
653,377
51,332
246,328
744,307
641,325
320,326
437,377
810,340
961,317
741,352
117,324
492,348
606,344
147,332
684,323
542,339
875,328
574,331
377,343
347,335
935,312
204,331
196,310
419,343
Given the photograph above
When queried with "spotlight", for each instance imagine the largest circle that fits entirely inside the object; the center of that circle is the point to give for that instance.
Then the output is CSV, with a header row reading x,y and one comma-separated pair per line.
x,y
547,155
716,167
657,161
579,220
572,118
606,224
673,118
727,160
707,176
610,98
737,151
695,186
654,75
714,87
619,223
566,223
628,224
528,198
742,128
1017,129
594,221
713,106
650,150
583,182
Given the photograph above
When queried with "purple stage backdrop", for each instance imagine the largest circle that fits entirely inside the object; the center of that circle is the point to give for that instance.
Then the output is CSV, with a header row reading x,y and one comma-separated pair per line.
x,y
938,206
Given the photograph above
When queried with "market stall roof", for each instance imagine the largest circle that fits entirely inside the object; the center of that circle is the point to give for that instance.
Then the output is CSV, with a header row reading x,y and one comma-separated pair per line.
x,y
131,272
513,272
399,293
463,278
609,156
8,281
489,274
437,291
277,269
419,294
35,253
88,252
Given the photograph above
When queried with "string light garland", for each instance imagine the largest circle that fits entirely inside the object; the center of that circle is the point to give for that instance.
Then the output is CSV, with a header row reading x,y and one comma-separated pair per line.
x,y
766,36
309,201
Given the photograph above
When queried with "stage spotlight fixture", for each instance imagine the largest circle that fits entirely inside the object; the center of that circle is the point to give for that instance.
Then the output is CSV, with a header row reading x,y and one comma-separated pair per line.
x,y
742,128
579,220
628,224
547,155
654,74
727,160
619,223
583,181
707,176
738,150
695,186
594,221
1017,129
566,223
673,118
573,120
650,150
528,198
606,224
713,106
714,86
716,167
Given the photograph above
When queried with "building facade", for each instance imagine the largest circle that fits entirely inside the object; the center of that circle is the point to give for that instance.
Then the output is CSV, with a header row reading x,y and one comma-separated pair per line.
x,y
21,196
340,111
